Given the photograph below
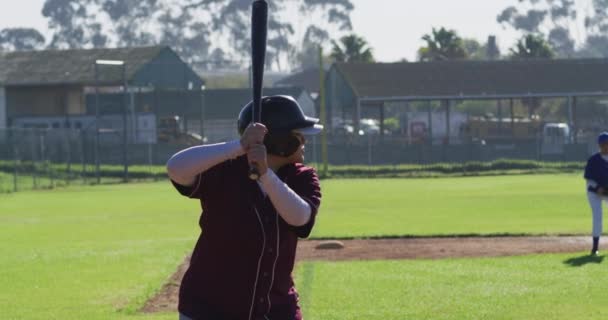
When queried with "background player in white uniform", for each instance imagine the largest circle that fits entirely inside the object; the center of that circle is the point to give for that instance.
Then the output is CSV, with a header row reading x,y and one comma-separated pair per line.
x,y
596,174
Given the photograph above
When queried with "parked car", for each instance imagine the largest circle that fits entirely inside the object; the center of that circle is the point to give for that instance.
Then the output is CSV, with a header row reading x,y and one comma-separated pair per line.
x,y
366,127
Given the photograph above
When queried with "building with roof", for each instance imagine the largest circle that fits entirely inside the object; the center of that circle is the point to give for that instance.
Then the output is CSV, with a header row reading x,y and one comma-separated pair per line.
x,y
216,109
354,87
222,106
53,83
307,79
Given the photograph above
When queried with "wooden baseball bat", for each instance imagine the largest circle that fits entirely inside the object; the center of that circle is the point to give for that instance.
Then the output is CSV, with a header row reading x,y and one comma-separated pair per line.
x,y
259,31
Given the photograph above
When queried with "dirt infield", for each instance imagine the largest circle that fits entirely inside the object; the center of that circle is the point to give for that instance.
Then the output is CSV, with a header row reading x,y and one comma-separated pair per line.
x,y
408,248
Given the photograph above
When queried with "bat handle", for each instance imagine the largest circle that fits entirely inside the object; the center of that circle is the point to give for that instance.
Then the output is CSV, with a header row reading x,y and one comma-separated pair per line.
x,y
254,172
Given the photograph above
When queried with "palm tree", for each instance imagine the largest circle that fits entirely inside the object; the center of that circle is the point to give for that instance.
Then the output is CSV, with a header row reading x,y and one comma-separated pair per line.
x,y
492,50
442,45
532,47
352,48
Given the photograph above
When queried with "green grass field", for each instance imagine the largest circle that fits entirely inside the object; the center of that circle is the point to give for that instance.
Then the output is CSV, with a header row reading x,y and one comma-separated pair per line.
x,y
29,182
100,252
535,204
530,287
49,175
89,252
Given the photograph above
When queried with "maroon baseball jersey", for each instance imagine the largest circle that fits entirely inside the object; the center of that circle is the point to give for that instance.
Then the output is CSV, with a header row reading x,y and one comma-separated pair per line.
x,y
242,262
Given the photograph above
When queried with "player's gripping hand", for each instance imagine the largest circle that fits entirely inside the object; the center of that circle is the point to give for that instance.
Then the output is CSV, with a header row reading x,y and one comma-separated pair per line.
x,y
253,135
257,154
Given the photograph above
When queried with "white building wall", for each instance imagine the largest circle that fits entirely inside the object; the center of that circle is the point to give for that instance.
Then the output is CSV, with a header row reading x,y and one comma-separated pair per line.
x,y
110,126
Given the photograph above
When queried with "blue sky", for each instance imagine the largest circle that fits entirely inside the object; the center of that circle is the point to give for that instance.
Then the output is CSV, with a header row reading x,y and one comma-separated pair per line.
x,y
381,22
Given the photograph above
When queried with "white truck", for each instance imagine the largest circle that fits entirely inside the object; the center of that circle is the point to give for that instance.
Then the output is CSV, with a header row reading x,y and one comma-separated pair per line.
x,y
554,137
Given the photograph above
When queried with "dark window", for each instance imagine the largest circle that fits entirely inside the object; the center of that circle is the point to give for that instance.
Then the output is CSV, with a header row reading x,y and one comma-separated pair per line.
x,y
56,125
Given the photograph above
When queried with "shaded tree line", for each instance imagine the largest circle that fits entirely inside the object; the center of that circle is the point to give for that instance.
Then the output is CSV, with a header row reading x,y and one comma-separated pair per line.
x,y
549,28
572,28
206,32
215,33
443,44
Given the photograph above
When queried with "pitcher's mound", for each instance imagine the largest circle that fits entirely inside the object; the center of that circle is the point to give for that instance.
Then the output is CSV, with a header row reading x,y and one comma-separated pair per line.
x,y
407,248
330,245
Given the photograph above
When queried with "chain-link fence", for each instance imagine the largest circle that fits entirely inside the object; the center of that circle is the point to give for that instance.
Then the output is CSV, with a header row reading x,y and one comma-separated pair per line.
x,y
394,150
46,158
427,132
113,147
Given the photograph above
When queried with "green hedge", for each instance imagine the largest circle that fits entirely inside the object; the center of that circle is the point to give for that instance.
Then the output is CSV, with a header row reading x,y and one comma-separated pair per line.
x,y
138,172
60,170
474,168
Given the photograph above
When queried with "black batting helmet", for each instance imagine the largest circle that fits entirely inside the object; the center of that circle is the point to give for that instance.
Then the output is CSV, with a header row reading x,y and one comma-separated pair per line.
x,y
283,117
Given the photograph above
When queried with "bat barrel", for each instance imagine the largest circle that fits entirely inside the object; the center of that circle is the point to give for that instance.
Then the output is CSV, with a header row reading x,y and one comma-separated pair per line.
x,y
259,33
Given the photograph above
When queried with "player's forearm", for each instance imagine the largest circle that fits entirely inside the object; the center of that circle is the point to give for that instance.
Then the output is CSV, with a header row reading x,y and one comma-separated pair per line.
x,y
184,166
292,208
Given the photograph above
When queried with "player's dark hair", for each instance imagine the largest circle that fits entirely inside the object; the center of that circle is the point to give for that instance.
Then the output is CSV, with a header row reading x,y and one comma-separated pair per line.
x,y
282,144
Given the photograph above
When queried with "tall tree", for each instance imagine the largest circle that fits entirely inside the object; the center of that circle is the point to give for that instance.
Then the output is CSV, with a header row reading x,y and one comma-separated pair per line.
x,y
308,55
200,30
19,39
474,50
127,18
478,51
572,27
532,47
313,15
441,45
352,48
492,49
73,23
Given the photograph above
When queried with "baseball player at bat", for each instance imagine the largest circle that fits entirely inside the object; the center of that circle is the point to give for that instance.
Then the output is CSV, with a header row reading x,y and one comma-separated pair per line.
x,y
242,263
596,174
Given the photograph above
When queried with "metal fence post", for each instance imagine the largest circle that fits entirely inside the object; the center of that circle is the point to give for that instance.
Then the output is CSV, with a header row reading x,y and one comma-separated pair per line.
x,y
43,165
202,118
69,155
150,158
369,149
97,173
125,141
33,162
16,155
83,156
49,163
314,150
